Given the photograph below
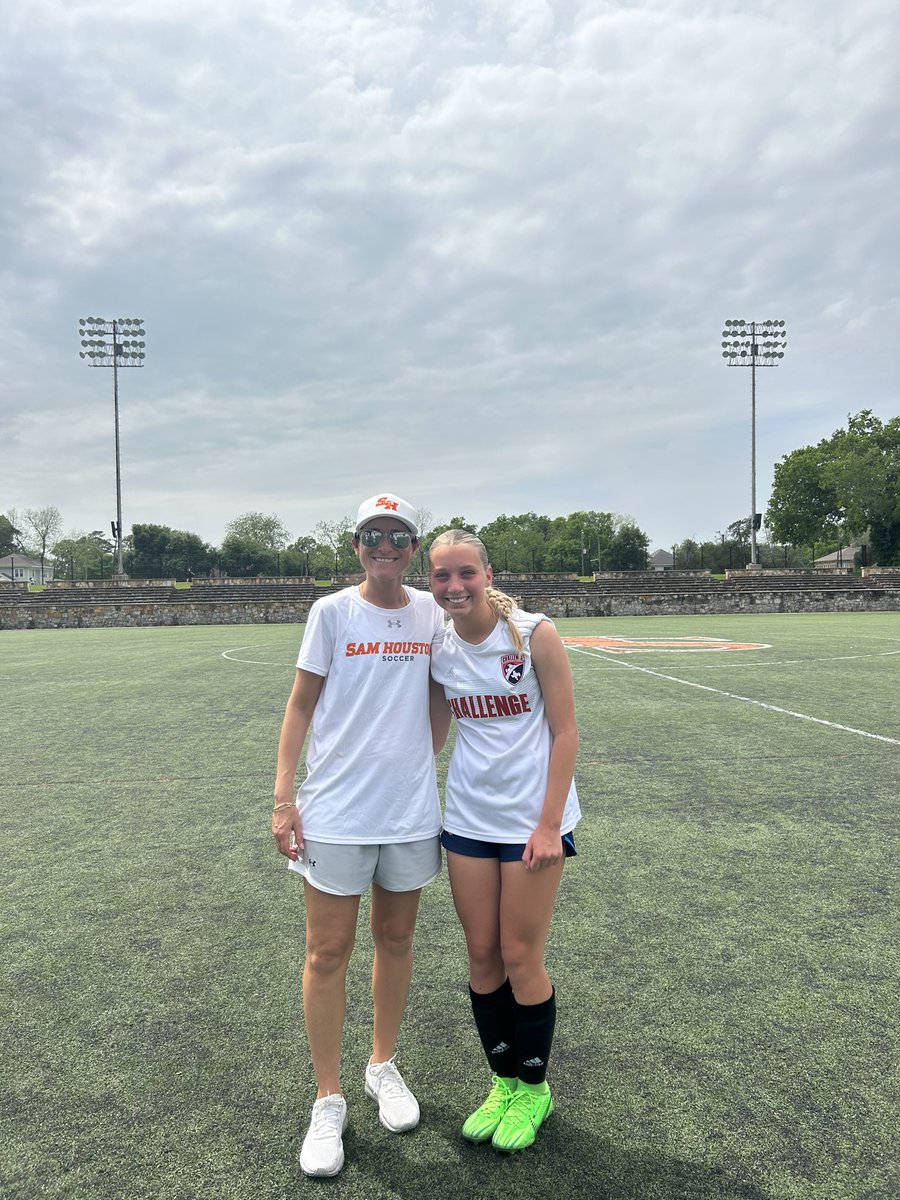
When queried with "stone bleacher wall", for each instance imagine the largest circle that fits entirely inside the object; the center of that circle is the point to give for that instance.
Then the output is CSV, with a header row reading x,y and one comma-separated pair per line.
x,y
89,615
700,603
64,605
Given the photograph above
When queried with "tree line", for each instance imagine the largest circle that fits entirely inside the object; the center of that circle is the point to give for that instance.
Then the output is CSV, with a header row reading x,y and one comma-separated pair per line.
x,y
257,543
823,496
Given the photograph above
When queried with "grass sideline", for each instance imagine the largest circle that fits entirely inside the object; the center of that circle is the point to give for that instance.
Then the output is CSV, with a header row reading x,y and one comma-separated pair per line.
x,y
725,946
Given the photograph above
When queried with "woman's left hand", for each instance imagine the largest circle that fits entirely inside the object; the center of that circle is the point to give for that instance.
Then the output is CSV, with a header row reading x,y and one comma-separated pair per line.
x,y
543,849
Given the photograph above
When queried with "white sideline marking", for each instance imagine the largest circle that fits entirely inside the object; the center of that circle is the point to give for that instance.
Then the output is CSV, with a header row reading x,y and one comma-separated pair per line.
x,y
703,687
791,662
795,662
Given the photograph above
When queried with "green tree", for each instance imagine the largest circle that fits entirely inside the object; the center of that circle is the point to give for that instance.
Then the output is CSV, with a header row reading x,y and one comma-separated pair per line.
x,y
687,555
299,557
453,523
866,476
265,528
516,543
739,537
9,536
335,554
628,549
563,546
804,506
149,551
81,555
596,532
420,561
848,484
583,539
158,552
253,543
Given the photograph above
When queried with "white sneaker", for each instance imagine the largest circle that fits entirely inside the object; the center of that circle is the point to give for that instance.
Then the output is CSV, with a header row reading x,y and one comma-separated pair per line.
x,y
398,1109
323,1149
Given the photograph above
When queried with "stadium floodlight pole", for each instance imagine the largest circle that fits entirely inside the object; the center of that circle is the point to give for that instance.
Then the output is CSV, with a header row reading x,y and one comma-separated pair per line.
x,y
753,344
113,344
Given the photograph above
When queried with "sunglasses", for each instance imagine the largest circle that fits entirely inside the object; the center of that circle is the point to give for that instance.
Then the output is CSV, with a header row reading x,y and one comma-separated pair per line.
x,y
371,538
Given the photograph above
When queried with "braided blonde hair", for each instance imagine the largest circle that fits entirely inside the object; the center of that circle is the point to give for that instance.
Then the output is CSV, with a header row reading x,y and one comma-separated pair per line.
x,y
503,605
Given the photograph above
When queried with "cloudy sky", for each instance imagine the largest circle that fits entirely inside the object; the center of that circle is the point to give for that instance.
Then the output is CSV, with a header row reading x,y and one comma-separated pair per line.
x,y
475,252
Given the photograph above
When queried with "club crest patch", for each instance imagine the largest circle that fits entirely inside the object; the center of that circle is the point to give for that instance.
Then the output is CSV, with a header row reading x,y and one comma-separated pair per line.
x,y
513,667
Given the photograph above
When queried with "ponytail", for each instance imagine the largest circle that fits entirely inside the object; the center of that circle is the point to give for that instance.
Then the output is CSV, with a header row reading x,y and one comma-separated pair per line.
x,y
503,606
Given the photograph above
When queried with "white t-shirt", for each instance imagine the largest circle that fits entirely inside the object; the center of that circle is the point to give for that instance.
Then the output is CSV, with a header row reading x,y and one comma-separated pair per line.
x,y
370,765
498,771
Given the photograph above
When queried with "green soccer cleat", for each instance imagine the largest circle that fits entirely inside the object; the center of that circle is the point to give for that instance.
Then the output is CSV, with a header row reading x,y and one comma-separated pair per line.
x,y
524,1116
482,1124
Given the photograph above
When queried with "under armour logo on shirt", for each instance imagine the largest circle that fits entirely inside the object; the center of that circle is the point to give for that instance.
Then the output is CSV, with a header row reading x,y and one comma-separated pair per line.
x,y
391,624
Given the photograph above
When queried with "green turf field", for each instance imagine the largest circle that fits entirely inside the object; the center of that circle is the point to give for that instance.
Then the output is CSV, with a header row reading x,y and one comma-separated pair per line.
x,y
725,947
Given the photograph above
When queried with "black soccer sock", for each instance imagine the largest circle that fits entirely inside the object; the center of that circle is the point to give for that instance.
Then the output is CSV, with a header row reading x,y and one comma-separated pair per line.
x,y
495,1023
534,1025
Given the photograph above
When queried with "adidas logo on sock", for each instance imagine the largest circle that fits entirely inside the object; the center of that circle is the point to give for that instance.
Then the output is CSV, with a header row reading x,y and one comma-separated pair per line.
x,y
533,1062
500,1049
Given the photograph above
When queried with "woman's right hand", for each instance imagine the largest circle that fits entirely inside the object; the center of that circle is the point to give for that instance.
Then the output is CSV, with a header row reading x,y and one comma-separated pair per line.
x,y
287,830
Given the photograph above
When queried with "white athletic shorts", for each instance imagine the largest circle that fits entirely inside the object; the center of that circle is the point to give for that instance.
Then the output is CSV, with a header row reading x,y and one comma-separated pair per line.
x,y
348,870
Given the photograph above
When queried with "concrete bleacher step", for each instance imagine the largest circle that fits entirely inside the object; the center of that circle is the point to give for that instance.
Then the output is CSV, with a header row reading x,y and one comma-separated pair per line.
x,y
290,600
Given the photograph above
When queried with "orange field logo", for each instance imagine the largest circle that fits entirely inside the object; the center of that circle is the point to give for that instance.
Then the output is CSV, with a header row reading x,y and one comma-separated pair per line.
x,y
683,645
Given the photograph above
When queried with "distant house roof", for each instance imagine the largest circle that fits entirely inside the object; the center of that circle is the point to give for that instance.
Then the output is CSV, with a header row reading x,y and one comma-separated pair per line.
x,y
661,558
19,560
18,568
843,557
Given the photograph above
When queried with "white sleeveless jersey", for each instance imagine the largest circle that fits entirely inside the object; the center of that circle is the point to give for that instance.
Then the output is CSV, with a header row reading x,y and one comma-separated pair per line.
x,y
498,771
370,764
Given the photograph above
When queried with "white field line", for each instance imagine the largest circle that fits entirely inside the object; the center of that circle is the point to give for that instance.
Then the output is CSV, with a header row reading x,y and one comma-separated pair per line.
x,y
703,687
791,662
255,662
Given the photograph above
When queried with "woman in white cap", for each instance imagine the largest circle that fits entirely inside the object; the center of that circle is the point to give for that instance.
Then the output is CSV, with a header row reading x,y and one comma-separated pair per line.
x,y
367,813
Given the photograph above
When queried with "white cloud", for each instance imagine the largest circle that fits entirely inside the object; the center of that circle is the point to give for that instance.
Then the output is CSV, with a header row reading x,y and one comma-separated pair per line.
x,y
480,250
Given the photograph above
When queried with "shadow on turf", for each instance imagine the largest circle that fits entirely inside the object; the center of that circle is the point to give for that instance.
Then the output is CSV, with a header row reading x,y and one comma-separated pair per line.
x,y
566,1164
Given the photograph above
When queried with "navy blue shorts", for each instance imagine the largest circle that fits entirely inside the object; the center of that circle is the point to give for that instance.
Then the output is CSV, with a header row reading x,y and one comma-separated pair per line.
x,y
471,848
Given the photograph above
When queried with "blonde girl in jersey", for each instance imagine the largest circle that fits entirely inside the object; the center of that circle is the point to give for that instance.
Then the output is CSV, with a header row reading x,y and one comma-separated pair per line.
x,y
510,809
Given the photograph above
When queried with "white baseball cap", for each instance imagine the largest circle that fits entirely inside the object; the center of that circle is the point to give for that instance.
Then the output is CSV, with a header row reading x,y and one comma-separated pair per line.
x,y
387,505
